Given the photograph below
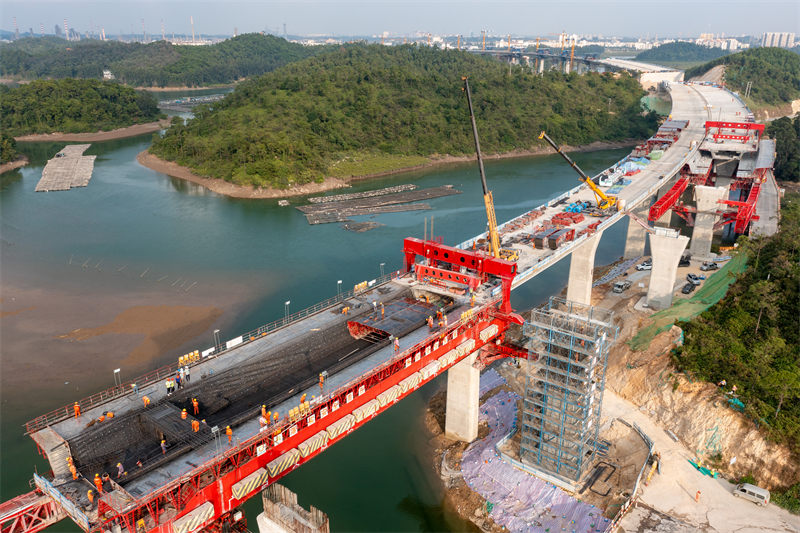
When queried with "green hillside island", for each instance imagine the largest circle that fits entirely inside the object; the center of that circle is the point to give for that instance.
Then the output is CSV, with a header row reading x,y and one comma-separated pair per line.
x,y
157,64
362,109
681,52
73,106
775,74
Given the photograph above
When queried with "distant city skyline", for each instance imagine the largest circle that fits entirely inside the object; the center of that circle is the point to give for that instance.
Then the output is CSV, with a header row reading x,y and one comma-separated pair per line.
x,y
628,18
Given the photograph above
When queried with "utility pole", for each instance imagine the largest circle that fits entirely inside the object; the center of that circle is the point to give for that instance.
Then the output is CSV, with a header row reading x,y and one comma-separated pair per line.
x,y
191,21
483,33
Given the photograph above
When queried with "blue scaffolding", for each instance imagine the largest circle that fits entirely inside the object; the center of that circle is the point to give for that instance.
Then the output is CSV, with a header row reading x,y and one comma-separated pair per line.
x,y
568,344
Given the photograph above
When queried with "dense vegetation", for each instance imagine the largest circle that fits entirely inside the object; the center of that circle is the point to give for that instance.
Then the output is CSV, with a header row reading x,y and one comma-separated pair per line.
x,y
787,145
154,64
751,338
681,52
8,148
73,106
364,102
775,74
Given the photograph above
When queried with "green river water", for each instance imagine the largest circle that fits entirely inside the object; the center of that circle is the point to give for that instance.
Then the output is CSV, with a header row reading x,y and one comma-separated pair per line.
x,y
378,479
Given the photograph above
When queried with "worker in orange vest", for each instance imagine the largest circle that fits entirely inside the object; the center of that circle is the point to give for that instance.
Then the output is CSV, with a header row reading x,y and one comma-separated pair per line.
x,y
77,409
90,495
163,447
195,426
196,406
98,483
229,433
264,410
184,414
146,401
73,471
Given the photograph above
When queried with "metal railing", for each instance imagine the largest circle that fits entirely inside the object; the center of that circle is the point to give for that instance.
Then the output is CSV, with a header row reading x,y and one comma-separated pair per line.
x,y
155,376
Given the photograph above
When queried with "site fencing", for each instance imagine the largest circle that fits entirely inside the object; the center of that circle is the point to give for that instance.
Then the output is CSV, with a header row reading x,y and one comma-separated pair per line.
x,y
156,376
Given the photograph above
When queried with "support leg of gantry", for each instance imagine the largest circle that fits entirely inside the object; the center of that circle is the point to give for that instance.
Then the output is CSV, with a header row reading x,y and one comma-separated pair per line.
x,y
581,270
463,395
707,199
267,525
637,236
666,248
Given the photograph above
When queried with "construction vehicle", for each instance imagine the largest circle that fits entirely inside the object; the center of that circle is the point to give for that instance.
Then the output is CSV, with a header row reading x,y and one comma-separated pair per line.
x,y
603,201
494,236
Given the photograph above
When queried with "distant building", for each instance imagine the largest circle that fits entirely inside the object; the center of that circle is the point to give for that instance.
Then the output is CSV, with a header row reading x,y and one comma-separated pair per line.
x,y
107,75
780,39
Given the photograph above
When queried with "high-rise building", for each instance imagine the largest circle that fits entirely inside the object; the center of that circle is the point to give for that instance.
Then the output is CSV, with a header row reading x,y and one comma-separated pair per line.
x,y
780,39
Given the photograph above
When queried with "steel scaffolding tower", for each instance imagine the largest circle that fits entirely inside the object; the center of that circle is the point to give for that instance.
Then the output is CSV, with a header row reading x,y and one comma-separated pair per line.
x,y
569,344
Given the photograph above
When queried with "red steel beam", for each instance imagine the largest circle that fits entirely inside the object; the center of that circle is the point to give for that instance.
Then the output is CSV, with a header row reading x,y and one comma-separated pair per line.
x,y
734,126
746,212
669,199
213,481
29,513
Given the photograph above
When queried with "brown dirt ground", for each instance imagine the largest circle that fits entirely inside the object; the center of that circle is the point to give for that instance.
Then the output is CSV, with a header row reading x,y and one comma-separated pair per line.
x,y
120,133
21,161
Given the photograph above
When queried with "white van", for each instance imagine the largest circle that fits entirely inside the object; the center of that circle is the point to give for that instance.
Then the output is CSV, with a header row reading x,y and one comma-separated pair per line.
x,y
752,493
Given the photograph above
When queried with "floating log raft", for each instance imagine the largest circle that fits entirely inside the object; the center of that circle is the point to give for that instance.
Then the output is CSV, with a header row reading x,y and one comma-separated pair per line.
x,y
69,168
364,194
340,211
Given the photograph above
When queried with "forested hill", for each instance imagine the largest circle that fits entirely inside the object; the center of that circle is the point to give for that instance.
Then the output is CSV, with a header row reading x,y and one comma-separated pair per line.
x,y
681,52
775,74
73,106
155,64
360,102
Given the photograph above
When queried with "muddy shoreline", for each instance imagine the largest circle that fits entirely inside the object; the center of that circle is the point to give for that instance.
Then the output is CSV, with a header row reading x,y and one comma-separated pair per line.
x,y
119,133
20,161
232,190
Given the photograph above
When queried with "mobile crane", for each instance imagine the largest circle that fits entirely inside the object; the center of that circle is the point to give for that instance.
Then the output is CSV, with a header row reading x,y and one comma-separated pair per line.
x,y
603,201
494,237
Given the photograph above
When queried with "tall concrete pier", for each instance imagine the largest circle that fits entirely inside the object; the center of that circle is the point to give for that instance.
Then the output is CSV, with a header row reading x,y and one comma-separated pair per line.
x,y
666,246
463,396
581,270
707,199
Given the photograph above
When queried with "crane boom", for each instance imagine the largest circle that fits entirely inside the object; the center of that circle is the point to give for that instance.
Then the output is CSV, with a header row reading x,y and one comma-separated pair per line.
x,y
603,201
494,238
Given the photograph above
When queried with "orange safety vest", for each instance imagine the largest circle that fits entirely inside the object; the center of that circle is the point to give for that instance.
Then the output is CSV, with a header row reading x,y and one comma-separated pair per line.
x,y
184,414
146,401
195,426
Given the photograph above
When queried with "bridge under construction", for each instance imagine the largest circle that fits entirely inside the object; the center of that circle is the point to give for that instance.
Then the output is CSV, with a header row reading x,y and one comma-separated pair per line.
x,y
253,408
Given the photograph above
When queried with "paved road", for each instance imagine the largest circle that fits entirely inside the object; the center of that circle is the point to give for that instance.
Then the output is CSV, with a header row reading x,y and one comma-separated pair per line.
x,y
672,492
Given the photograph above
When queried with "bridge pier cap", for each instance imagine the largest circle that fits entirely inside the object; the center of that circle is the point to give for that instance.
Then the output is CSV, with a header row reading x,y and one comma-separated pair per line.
x,y
666,246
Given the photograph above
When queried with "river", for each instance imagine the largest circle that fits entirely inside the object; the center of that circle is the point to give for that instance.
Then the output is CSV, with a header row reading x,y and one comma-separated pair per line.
x,y
76,259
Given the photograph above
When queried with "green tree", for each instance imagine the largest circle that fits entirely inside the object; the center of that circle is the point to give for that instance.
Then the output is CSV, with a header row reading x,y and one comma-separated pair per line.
x,y
8,148
786,383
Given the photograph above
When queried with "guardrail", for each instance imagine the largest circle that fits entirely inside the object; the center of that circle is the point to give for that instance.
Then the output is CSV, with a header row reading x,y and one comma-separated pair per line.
x,y
155,376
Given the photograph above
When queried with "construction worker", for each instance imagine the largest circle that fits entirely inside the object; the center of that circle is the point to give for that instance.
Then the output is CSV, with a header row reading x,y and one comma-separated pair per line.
x,y
139,463
264,410
184,414
195,426
146,401
396,344
303,398
73,471
430,322
697,496
383,311
169,386
186,373
445,320
90,495
375,308
163,447
135,388
275,417
98,483
77,409
229,433
195,406
120,470
262,421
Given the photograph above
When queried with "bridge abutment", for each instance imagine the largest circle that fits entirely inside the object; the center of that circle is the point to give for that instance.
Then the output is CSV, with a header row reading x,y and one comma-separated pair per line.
x,y
463,396
666,247
581,270
707,199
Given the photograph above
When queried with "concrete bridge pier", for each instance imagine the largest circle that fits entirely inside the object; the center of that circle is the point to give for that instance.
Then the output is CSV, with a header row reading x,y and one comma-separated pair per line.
x,y
666,246
707,199
637,235
541,66
463,396
581,270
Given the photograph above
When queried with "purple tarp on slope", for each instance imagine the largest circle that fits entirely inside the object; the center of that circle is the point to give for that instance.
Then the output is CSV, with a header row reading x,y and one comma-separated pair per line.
x,y
521,502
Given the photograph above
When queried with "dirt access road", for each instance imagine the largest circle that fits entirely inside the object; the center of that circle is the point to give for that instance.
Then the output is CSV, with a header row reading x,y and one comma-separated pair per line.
x,y
673,492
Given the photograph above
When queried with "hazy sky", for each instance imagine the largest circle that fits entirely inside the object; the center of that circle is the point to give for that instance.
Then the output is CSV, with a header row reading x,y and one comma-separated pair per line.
x,y
532,17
